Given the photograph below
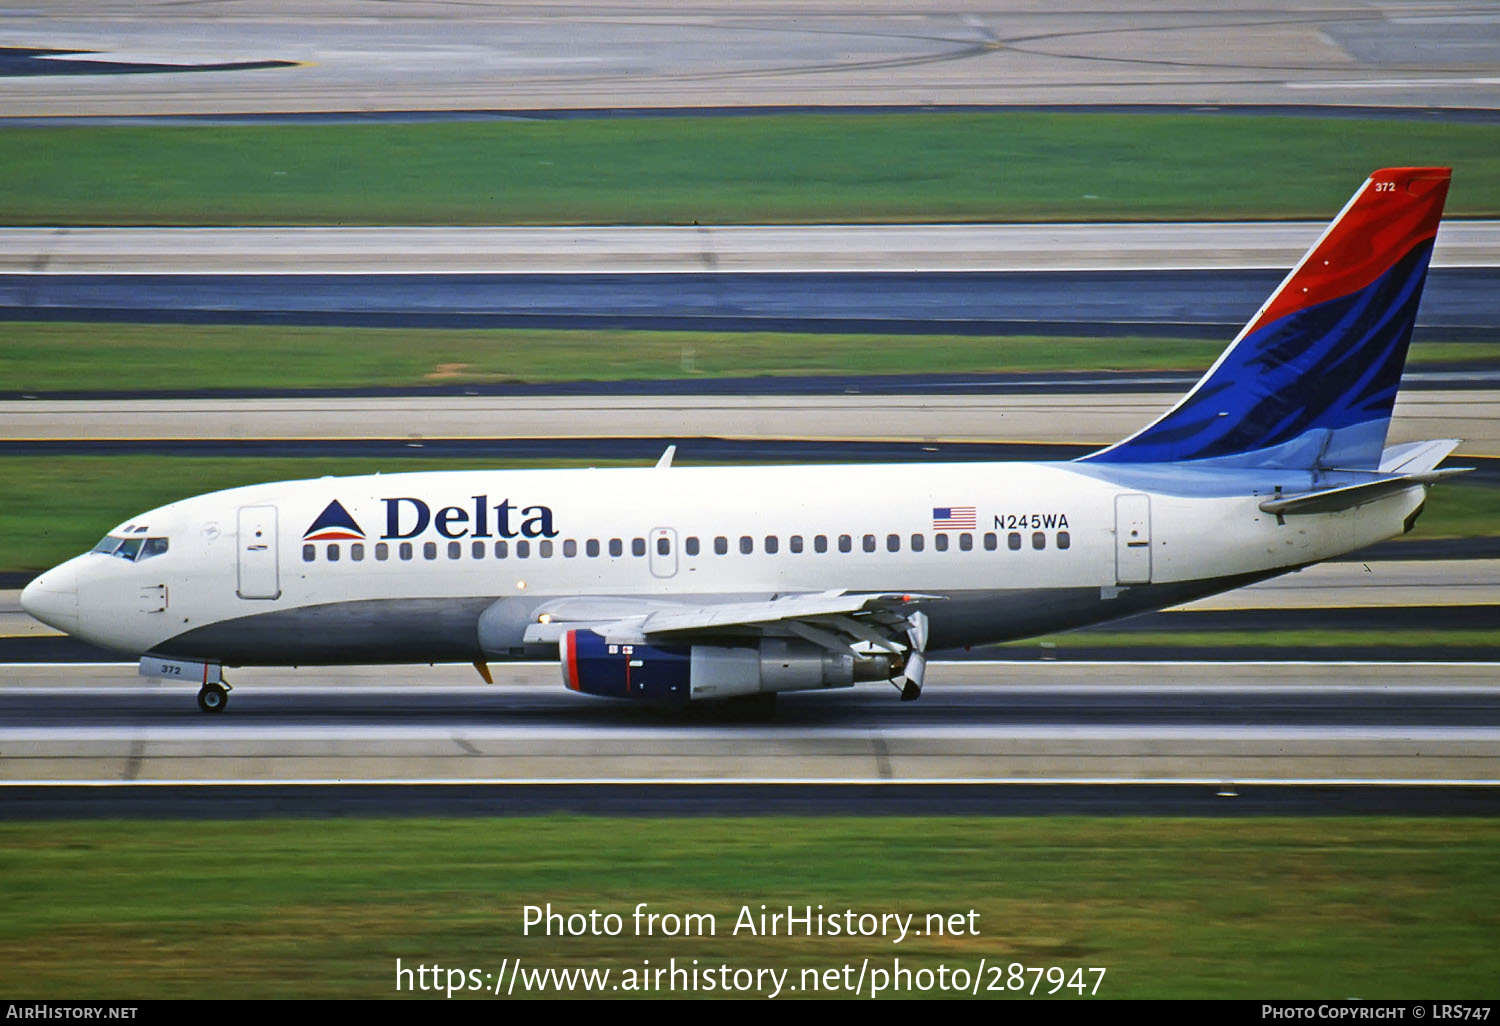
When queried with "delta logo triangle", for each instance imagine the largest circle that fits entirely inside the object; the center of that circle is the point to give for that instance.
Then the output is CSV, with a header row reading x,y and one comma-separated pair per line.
x,y
334,524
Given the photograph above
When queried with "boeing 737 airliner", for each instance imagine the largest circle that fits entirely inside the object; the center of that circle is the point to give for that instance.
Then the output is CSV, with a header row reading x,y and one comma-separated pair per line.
x,y
671,584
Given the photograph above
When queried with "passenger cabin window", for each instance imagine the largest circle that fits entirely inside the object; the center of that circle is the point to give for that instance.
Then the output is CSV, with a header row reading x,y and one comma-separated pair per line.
x,y
591,547
1014,541
795,543
691,545
1038,540
523,549
966,542
476,549
721,545
405,550
502,549
382,551
544,549
455,550
333,552
772,544
747,544
616,547
940,542
356,552
893,543
991,541
637,546
570,548
820,543
918,542
846,543
309,552
1064,539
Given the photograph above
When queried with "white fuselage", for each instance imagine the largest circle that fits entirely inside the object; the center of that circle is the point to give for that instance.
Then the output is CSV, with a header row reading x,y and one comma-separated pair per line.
x,y
425,555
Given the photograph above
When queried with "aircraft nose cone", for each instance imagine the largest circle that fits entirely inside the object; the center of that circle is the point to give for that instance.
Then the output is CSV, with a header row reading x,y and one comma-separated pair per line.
x,y
53,598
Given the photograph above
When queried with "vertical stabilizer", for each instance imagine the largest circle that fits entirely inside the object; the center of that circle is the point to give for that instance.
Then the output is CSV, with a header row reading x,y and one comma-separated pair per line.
x,y
1311,380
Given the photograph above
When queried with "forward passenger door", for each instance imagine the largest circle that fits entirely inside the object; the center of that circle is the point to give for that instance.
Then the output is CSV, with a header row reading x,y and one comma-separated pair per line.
x,y
259,575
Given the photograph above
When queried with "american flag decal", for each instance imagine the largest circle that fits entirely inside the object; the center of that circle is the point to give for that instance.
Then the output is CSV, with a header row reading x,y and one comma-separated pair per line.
x,y
954,518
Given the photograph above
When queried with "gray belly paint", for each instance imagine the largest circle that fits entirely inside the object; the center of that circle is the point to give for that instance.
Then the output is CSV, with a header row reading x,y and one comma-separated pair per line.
x,y
340,633
447,630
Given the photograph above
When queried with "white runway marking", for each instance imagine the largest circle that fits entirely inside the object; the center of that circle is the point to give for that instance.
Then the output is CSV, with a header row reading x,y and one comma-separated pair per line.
x,y
665,249
775,781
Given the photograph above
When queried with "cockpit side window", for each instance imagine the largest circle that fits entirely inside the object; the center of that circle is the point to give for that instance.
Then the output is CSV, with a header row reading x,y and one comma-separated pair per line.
x,y
153,547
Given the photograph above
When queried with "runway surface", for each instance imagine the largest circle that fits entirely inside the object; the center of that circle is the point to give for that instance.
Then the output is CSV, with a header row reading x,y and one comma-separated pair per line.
x,y
1052,418
345,55
975,722
1458,303
1198,799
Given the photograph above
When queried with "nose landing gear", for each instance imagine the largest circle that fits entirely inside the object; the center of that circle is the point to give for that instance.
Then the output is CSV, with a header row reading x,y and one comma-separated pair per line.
x,y
215,693
212,698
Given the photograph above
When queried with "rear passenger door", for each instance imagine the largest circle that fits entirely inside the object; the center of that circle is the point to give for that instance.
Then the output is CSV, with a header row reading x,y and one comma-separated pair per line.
x,y
1133,539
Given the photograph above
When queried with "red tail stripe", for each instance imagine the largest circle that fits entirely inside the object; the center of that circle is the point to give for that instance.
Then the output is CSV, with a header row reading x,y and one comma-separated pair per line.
x,y
1397,209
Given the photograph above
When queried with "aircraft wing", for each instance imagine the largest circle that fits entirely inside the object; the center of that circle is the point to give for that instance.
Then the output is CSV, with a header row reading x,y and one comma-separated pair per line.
x,y
832,619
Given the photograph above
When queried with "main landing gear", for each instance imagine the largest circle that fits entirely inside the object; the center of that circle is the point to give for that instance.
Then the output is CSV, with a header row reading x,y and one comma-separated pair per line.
x,y
213,697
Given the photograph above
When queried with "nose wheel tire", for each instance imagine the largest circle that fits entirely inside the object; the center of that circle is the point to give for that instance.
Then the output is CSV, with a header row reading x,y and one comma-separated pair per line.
x,y
212,698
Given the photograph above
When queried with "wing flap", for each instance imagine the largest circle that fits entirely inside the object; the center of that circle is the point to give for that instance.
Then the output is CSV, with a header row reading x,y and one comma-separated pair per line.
x,y
630,620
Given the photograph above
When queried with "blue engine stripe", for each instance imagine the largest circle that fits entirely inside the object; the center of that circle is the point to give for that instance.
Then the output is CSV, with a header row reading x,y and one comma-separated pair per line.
x,y
653,673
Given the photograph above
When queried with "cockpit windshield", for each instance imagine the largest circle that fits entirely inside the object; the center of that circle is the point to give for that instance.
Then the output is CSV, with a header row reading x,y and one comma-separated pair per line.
x,y
133,549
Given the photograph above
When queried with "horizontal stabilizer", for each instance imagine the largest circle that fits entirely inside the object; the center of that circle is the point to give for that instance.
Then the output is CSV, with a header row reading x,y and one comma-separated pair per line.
x,y
1331,500
1416,457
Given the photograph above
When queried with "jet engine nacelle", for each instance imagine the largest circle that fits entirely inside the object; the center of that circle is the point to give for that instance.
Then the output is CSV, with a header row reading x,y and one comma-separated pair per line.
x,y
682,673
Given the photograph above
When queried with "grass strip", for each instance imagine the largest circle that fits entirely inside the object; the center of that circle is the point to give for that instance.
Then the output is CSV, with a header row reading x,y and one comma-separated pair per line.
x,y
1183,908
72,356
54,507
1003,166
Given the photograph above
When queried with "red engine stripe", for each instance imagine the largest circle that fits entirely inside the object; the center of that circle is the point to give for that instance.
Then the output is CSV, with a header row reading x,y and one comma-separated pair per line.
x,y
570,650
